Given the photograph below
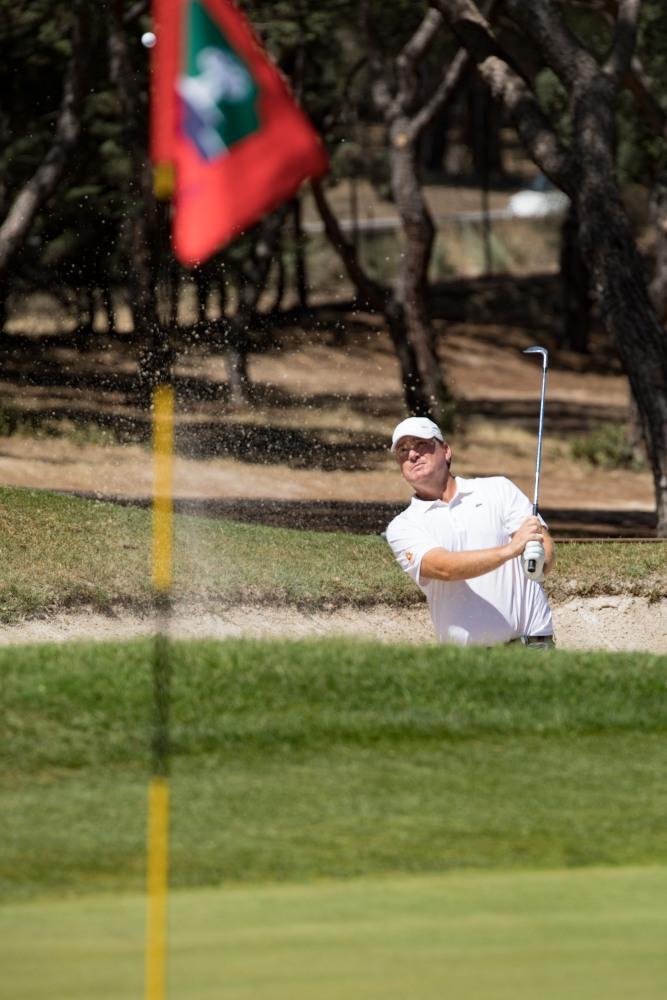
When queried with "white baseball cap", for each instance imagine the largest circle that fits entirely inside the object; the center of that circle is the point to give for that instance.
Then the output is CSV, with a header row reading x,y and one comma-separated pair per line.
x,y
418,427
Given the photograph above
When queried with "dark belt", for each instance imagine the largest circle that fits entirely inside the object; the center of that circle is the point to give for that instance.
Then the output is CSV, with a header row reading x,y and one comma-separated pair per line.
x,y
535,641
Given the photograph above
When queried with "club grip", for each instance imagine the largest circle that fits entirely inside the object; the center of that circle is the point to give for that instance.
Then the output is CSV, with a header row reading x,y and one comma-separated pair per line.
x,y
531,562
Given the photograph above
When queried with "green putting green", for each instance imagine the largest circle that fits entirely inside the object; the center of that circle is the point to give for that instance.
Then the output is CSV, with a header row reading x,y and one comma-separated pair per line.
x,y
575,934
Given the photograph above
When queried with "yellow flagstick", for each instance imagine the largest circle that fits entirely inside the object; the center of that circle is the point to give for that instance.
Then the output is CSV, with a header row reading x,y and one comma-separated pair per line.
x,y
158,794
158,866
163,457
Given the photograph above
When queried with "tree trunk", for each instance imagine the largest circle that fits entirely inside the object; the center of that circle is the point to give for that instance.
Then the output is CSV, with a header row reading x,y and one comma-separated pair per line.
x,y
155,357
433,143
587,172
250,278
106,301
414,392
300,266
201,279
84,304
379,300
608,243
576,283
39,188
640,342
483,130
412,277
174,292
280,282
234,350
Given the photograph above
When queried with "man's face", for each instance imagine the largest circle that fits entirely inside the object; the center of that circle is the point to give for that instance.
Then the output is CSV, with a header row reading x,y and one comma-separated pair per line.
x,y
424,463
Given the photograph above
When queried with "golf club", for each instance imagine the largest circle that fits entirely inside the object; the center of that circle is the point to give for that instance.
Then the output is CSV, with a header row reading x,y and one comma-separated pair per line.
x,y
538,465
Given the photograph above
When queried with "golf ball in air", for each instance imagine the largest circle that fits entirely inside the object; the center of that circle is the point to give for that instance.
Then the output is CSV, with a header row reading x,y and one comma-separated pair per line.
x,y
148,39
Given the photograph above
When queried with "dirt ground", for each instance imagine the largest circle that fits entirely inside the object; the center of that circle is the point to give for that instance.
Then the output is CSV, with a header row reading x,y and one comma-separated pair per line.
x,y
319,423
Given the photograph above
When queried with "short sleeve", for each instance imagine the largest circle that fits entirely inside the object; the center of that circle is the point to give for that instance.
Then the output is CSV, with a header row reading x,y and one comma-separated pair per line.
x,y
409,543
516,507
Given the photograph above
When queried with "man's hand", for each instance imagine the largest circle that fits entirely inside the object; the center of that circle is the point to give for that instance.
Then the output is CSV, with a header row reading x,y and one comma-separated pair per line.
x,y
530,531
528,541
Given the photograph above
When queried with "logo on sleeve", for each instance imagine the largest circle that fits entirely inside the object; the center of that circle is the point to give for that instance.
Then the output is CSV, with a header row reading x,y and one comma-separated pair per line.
x,y
410,557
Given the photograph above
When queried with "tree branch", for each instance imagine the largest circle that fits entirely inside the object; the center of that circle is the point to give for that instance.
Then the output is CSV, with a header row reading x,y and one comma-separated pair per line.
x,y
255,270
412,52
417,46
137,10
442,95
448,87
380,92
625,36
567,57
639,85
507,85
374,294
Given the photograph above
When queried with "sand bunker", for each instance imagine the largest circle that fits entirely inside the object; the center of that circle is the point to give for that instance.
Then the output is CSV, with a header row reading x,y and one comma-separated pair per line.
x,y
613,623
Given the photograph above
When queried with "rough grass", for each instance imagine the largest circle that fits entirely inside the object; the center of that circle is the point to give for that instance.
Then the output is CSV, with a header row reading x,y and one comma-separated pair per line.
x,y
60,552
300,760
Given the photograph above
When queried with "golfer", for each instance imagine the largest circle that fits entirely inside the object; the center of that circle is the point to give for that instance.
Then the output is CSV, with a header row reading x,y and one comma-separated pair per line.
x,y
462,542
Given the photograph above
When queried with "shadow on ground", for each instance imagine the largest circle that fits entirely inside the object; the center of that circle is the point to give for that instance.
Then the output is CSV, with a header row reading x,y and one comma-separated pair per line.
x,y
367,518
58,382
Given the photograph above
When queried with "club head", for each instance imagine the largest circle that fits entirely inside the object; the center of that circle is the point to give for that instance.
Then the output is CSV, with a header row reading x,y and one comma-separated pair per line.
x,y
538,350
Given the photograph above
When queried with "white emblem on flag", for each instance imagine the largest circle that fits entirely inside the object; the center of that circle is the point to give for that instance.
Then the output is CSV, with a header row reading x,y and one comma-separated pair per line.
x,y
223,78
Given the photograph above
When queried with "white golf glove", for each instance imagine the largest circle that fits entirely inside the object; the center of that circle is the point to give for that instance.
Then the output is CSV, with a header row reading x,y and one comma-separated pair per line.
x,y
534,550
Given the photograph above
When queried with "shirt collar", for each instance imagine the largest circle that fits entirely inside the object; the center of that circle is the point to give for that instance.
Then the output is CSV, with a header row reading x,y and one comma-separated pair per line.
x,y
463,487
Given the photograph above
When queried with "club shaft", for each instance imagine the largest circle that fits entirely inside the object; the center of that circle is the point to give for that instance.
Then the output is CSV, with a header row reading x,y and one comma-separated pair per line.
x,y
538,463
540,429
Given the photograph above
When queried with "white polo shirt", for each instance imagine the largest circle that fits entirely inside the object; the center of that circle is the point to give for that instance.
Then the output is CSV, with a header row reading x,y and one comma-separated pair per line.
x,y
496,607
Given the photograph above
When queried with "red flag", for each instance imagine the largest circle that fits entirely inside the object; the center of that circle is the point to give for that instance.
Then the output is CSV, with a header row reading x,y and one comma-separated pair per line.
x,y
223,116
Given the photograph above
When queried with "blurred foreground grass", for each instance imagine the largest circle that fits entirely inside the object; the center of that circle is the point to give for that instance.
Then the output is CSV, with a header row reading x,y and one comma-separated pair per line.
x,y
557,935
293,761
60,552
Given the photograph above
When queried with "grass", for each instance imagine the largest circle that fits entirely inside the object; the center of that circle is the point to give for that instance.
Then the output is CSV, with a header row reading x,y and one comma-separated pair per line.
x,y
24,423
347,820
562,935
608,447
60,552
294,761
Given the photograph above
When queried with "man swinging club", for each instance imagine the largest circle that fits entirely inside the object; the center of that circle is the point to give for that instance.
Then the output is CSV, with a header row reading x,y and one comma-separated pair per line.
x,y
472,546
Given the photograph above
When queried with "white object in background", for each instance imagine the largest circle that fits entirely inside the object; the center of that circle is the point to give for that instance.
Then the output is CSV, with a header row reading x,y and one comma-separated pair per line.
x,y
539,199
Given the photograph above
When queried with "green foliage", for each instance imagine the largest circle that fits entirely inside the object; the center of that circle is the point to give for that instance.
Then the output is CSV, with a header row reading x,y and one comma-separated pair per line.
x,y
652,41
315,45
553,100
608,447
640,149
